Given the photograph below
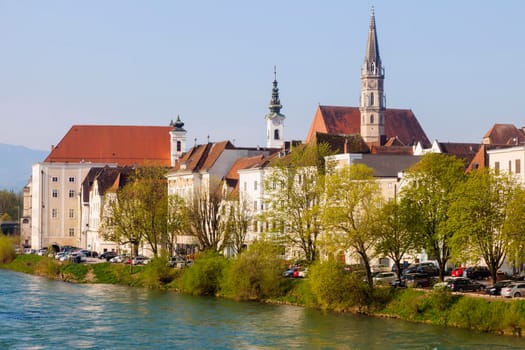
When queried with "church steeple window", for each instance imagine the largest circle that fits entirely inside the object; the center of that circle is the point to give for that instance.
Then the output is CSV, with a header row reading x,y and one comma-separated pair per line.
x,y
276,134
372,119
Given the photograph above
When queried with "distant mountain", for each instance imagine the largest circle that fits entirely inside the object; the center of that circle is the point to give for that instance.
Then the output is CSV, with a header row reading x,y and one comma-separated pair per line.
x,y
15,166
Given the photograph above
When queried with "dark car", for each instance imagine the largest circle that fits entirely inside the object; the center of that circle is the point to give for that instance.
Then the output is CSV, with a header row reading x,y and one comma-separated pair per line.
x,y
107,255
426,268
496,289
478,272
413,280
461,284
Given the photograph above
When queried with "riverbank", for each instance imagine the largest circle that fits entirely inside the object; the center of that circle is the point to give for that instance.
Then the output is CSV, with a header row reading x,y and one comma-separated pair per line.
x,y
505,317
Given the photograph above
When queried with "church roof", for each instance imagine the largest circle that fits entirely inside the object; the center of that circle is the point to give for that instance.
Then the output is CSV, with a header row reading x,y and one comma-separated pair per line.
x,y
399,123
123,145
464,151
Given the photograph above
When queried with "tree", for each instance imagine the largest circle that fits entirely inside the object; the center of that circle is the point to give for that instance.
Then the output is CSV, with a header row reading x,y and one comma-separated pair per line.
x,y
395,240
140,211
236,222
294,189
483,217
205,214
427,196
177,222
352,207
10,205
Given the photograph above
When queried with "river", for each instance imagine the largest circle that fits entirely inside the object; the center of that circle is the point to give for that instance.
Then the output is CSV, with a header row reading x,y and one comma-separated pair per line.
x,y
37,313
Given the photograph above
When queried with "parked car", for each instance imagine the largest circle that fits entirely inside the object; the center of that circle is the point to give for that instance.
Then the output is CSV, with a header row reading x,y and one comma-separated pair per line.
x,y
496,289
89,253
119,258
139,260
514,289
427,267
107,255
478,273
413,280
462,284
177,262
384,278
458,272
77,257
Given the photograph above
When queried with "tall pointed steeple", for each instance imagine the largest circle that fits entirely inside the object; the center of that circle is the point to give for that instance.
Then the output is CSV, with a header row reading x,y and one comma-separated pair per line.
x,y
274,119
372,104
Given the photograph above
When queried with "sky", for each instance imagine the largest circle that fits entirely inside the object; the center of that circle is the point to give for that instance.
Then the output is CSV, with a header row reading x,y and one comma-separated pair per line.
x,y
458,65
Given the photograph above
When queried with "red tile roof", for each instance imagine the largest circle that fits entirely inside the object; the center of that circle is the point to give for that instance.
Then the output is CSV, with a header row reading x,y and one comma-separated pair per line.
x,y
124,145
400,123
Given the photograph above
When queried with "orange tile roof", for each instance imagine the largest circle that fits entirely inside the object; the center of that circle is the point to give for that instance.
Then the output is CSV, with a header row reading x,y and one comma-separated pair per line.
x,y
400,123
202,157
124,145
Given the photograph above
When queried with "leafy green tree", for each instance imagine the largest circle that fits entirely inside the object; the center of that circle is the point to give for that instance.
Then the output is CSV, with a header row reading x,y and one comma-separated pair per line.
x,y
140,211
10,205
255,274
427,196
395,240
514,227
294,189
351,212
177,222
481,216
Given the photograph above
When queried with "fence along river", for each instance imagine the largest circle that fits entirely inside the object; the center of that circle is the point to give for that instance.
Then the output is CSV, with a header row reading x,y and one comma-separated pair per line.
x,y
37,313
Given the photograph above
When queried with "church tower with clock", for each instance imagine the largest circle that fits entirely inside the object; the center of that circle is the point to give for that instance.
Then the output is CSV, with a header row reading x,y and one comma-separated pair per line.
x,y
274,119
372,106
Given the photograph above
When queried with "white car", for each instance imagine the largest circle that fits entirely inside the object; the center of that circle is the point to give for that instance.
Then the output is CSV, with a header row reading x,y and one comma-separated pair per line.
x,y
515,289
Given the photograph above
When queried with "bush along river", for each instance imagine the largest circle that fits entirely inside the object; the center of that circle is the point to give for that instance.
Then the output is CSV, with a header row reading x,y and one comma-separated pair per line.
x,y
38,313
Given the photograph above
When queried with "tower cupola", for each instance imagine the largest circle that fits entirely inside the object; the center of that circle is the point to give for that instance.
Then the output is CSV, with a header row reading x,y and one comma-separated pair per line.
x,y
274,119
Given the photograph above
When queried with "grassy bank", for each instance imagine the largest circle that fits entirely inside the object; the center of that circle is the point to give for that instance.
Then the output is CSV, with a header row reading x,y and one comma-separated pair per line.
x,y
256,275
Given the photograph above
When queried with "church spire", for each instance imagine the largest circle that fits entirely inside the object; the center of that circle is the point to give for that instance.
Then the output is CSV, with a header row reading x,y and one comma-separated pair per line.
x,y
372,105
372,60
274,119
275,102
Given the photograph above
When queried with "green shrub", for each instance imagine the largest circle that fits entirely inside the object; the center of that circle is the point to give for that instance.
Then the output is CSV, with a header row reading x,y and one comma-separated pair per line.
x,y
406,303
157,273
24,263
7,249
255,274
203,278
514,317
334,288
478,314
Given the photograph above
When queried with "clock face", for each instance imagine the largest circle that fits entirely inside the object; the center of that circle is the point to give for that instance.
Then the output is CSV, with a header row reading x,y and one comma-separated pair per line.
x,y
372,84
275,122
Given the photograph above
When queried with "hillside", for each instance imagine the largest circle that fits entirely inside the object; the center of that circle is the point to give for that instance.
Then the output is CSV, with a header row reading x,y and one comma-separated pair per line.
x,y
16,166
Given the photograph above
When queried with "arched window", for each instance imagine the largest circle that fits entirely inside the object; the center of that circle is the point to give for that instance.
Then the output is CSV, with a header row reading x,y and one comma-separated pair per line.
x,y
372,99
372,119
276,134
179,146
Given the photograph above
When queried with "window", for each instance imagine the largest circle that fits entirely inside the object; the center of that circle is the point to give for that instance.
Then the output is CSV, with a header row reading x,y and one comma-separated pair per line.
x,y
496,167
179,146
372,119
71,232
372,99
510,166
255,185
54,179
71,193
255,205
71,179
54,213
71,213
518,166
245,186
55,194
276,134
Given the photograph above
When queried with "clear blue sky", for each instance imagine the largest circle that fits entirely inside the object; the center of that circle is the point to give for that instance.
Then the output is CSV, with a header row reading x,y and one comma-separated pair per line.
x,y
459,65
